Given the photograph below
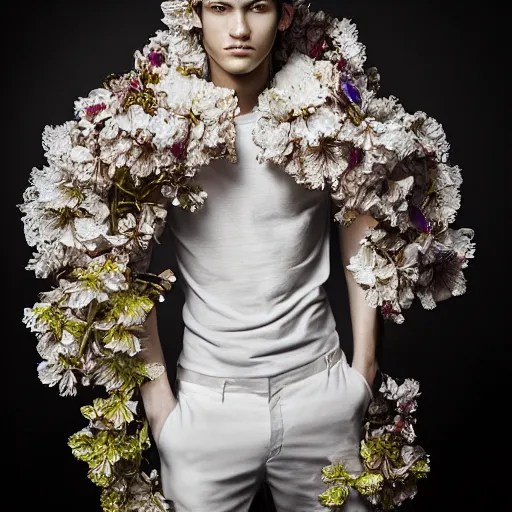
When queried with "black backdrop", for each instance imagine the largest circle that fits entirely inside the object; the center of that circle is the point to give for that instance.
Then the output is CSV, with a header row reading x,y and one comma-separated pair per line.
x,y
439,57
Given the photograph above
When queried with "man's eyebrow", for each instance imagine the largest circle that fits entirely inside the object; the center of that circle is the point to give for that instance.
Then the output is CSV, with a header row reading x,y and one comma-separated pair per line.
x,y
247,4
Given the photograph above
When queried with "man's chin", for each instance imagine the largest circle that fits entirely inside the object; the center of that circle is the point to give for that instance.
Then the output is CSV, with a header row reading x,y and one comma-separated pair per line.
x,y
237,68
240,70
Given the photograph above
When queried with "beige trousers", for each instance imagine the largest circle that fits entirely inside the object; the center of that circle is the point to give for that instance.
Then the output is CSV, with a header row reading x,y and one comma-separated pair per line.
x,y
226,436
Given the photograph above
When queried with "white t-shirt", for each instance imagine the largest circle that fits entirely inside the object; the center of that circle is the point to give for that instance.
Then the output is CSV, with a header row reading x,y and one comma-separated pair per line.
x,y
252,263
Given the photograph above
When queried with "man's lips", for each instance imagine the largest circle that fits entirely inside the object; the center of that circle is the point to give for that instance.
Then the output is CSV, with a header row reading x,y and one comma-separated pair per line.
x,y
239,47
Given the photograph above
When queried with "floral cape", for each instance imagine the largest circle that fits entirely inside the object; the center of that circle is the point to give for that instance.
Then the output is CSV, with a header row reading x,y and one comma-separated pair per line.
x,y
132,151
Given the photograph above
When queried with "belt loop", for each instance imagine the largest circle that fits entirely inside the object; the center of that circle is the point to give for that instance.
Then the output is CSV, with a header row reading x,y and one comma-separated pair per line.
x,y
223,389
327,359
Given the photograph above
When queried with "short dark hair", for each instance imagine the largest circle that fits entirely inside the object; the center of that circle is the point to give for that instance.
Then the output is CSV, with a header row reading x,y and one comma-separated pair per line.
x,y
279,5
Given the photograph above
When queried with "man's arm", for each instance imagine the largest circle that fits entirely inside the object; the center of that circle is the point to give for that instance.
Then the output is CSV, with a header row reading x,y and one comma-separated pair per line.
x,y
157,394
363,317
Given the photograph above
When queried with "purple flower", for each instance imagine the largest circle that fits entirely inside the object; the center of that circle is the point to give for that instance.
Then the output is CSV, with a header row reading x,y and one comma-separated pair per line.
x,y
419,220
156,59
350,91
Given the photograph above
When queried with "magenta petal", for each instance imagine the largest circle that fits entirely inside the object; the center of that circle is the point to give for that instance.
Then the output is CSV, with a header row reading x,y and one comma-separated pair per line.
x,y
340,65
355,157
92,110
155,58
178,150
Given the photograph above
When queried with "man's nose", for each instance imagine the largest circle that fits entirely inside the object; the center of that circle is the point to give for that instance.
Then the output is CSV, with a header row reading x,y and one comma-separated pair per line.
x,y
239,27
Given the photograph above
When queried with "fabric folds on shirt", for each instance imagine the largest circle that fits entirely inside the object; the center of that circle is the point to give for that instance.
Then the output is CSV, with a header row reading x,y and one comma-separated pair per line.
x,y
252,263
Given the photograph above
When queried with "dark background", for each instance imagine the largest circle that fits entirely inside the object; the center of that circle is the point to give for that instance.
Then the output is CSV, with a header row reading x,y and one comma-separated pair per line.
x,y
444,58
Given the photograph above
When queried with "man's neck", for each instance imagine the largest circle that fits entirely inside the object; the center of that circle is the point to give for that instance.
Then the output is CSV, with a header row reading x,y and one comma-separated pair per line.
x,y
247,86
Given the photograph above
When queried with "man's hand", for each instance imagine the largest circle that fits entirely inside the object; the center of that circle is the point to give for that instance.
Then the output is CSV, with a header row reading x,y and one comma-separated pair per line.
x,y
159,401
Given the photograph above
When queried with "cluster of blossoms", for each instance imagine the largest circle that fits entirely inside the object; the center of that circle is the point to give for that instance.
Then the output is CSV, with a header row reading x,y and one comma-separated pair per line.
x,y
392,464
132,151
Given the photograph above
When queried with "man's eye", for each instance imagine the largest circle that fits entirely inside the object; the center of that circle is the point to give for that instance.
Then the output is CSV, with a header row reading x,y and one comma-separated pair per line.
x,y
259,7
217,8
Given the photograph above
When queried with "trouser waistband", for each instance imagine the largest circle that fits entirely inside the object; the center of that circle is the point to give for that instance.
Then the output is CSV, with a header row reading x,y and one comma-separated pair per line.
x,y
262,385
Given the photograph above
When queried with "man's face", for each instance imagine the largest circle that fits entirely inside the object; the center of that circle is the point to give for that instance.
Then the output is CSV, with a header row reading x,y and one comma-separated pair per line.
x,y
228,24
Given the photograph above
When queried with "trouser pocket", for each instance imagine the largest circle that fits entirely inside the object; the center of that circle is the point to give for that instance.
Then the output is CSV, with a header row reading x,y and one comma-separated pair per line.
x,y
362,378
174,412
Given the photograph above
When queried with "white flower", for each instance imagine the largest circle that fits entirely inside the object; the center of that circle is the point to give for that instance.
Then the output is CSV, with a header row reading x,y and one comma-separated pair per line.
x,y
168,129
134,121
96,283
376,273
324,123
130,343
444,259
32,320
382,109
276,148
125,141
99,105
63,213
344,35
179,14
48,348
52,373
430,134
91,228
144,494
209,111
302,85
393,204
51,257
306,33
118,149
80,294
107,371
116,412
364,186
141,230
176,49
54,340
387,267
446,181
68,153
84,166
57,142
373,136
113,280
404,394
321,157
49,374
49,187
296,129
194,201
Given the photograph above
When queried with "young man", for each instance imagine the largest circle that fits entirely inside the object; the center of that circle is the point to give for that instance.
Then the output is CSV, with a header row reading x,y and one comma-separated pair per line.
x,y
264,390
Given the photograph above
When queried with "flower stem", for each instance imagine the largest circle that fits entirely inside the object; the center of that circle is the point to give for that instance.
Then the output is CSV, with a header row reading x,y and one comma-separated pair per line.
x,y
93,309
